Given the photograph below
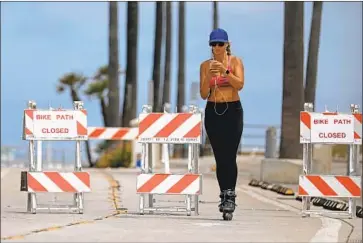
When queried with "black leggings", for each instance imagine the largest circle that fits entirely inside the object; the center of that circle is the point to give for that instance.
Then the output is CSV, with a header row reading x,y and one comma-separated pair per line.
x,y
224,132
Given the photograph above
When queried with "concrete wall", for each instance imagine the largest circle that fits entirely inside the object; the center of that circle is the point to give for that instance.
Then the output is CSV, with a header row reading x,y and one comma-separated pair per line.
x,y
287,171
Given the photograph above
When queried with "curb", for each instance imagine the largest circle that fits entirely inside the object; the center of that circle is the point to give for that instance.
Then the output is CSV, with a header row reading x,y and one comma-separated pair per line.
x,y
272,187
332,205
328,204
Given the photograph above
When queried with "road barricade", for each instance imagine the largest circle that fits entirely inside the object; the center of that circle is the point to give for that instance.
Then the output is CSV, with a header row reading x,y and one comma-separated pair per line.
x,y
169,128
116,133
54,125
330,128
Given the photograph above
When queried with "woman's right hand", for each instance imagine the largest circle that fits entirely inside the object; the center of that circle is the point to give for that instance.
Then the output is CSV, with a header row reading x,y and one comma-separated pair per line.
x,y
214,72
213,69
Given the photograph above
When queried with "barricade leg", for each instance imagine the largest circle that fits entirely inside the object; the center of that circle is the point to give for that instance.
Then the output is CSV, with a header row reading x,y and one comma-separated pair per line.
x,y
144,165
352,170
190,170
196,171
307,157
165,147
78,196
32,198
150,171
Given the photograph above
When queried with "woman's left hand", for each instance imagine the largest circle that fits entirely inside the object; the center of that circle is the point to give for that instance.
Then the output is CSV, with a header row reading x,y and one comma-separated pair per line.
x,y
218,65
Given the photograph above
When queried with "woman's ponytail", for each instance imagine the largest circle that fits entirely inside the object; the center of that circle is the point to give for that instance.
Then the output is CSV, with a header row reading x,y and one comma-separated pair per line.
x,y
228,49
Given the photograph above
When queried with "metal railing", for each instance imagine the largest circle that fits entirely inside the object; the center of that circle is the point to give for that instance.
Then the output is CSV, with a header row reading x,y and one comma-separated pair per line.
x,y
53,157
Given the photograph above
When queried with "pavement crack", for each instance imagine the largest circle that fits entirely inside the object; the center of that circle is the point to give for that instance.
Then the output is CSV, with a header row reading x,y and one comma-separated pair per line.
x,y
114,187
115,196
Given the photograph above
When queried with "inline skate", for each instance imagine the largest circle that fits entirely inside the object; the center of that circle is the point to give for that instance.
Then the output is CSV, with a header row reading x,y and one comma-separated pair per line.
x,y
227,205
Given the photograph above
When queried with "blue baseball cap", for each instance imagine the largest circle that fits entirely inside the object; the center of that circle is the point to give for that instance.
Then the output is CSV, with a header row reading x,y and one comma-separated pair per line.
x,y
218,35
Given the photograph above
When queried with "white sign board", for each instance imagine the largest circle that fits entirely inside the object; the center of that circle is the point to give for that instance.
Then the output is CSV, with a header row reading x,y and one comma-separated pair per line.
x,y
56,124
172,140
335,129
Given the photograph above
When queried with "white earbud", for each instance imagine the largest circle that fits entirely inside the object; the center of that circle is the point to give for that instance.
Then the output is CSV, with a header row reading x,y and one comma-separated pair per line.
x,y
215,98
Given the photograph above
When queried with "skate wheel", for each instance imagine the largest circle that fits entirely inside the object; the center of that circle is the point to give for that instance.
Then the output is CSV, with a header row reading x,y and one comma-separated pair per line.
x,y
227,216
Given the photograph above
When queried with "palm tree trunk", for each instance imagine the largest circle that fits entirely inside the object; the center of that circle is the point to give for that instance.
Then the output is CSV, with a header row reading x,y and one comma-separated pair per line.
x,y
312,65
181,57
75,97
293,87
181,64
215,15
129,105
113,68
166,88
104,111
157,55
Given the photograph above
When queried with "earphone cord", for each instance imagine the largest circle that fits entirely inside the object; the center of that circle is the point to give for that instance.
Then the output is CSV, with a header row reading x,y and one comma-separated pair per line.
x,y
215,98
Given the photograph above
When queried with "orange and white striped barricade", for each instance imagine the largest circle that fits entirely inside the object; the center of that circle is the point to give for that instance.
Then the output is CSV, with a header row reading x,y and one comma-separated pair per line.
x,y
330,128
54,125
116,133
112,133
169,128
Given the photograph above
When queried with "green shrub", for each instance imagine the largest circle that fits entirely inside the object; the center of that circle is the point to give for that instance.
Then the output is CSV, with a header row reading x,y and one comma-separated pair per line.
x,y
119,155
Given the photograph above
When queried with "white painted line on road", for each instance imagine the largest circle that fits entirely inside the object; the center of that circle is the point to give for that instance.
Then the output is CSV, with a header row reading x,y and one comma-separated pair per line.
x,y
208,224
329,231
4,172
266,200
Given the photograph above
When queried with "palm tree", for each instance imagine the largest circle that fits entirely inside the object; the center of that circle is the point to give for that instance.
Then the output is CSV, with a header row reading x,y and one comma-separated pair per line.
x,y
181,65
98,88
168,20
157,55
74,82
215,15
113,112
312,65
130,104
293,87
181,57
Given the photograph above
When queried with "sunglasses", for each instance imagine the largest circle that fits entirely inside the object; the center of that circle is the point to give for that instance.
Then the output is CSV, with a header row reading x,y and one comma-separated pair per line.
x,y
217,44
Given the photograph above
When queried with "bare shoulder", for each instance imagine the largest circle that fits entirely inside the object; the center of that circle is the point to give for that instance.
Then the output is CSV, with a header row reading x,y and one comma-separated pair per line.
x,y
204,64
236,60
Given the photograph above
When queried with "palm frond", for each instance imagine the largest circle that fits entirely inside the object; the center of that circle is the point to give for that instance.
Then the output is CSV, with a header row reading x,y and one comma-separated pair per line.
x,y
60,88
102,72
96,88
75,80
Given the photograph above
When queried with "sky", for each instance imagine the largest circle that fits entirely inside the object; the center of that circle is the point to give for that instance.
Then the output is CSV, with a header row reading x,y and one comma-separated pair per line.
x,y
41,41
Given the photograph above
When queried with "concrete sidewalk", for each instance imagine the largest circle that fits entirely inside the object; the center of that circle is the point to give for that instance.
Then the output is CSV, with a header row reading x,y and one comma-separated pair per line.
x,y
16,222
259,217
